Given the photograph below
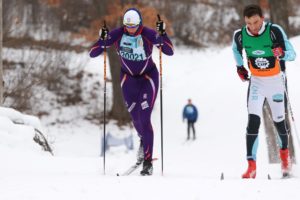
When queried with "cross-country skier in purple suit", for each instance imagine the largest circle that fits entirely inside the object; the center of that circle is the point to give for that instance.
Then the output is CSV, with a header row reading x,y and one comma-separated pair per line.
x,y
139,75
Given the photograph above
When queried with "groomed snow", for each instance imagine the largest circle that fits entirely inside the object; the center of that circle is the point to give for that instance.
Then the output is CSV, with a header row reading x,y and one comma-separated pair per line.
x,y
191,170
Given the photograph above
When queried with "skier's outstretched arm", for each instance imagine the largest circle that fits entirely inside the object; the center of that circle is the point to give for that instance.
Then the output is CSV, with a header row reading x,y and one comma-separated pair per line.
x,y
111,38
280,38
167,46
156,39
237,48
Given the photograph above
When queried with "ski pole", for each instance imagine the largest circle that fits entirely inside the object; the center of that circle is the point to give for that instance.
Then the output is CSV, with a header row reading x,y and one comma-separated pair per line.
x,y
104,123
161,102
290,111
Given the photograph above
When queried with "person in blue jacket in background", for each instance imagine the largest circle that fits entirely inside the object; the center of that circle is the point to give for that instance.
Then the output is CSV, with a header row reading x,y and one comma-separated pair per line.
x,y
190,113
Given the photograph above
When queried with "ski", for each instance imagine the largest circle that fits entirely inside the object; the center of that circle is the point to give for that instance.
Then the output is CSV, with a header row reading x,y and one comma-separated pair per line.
x,y
133,168
130,170
286,175
269,177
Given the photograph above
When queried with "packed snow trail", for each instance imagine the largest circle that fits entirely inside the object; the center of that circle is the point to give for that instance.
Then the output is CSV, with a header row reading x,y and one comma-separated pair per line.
x,y
191,170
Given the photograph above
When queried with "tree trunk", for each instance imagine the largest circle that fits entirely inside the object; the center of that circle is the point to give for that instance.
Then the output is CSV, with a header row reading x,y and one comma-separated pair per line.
x,y
271,135
1,63
241,6
248,2
118,111
279,13
245,3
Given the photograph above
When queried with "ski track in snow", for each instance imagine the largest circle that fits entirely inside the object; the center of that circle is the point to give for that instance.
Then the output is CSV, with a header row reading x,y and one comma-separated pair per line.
x,y
192,170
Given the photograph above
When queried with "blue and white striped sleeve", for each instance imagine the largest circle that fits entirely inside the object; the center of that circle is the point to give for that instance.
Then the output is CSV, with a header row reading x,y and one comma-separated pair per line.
x,y
289,52
237,48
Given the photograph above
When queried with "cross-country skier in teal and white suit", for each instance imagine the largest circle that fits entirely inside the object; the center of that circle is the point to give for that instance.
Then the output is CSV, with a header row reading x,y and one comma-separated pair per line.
x,y
267,48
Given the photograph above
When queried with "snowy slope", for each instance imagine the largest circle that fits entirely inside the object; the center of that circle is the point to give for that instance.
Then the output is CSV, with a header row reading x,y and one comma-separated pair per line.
x,y
17,131
191,170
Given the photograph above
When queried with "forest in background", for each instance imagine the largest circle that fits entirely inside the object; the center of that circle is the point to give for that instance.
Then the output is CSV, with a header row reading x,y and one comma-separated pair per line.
x,y
41,37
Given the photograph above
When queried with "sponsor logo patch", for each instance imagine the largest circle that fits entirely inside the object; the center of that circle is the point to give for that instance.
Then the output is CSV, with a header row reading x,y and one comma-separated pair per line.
x,y
280,117
145,96
131,107
258,52
278,98
254,93
144,105
262,63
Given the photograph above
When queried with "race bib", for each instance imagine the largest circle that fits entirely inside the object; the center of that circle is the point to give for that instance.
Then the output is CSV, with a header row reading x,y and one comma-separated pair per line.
x,y
132,48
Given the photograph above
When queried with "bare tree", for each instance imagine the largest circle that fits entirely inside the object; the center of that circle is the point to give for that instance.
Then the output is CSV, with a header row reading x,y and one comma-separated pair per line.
x,y
118,110
279,13
271,135
110,11
242,5
248,2
1,67
245,3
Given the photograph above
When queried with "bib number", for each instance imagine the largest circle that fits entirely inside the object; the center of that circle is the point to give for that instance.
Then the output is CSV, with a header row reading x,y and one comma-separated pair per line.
x,y
131,56
132,48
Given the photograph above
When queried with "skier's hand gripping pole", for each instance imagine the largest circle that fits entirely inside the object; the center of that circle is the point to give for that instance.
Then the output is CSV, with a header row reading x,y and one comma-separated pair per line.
x,y
160,26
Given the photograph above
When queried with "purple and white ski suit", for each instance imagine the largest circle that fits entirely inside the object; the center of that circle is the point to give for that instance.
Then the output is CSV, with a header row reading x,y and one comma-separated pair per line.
x,y
139,75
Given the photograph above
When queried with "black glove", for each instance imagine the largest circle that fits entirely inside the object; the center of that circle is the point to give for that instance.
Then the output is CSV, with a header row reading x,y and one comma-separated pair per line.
x,y
161,27
243,73
103,33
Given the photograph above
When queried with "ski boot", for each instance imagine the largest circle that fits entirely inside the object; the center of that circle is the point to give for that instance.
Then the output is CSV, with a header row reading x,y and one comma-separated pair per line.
x,y
147,168
285,162
251,171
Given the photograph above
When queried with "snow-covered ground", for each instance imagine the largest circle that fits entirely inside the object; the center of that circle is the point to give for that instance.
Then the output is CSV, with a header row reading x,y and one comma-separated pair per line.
x,y
192,170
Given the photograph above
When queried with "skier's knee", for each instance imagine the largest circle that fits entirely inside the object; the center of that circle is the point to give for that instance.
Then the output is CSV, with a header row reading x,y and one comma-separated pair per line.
x,y
253,124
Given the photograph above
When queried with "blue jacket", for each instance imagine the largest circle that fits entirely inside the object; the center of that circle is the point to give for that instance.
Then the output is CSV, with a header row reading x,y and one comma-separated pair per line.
x,y
190,113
